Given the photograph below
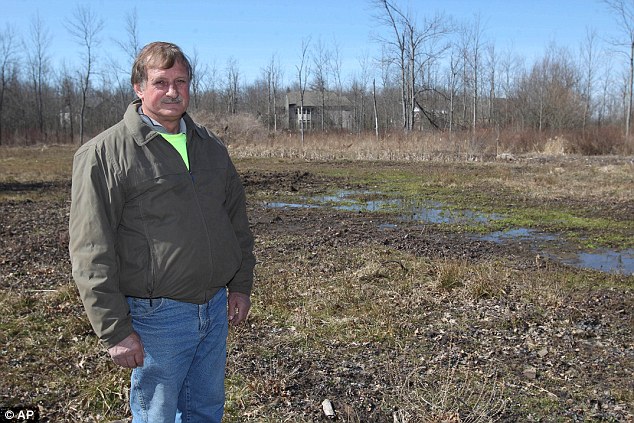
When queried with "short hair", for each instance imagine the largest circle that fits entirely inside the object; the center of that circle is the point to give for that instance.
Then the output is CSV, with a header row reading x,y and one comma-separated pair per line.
x,y
159,55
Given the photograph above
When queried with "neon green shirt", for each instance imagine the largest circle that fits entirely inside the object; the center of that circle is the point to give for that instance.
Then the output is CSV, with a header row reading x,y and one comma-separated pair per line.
x,y
179,142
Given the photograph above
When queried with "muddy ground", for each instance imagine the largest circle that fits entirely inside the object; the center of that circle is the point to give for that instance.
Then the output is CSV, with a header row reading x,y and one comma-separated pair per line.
x,y
576,356
534,343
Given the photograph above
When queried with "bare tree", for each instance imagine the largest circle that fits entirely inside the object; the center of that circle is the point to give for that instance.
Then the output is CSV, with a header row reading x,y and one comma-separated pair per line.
x,y
8,60
624,13
363,82
199,77
471,45
336,73
272,76
233,79
387,91
492,75
321,62
408,44
39,66
414,41
66,85
588,56
476,45
465,79
393,20
432,45
303,71
85,27
376,112
606,96
550,93
211,95
509,77
453,74
132,45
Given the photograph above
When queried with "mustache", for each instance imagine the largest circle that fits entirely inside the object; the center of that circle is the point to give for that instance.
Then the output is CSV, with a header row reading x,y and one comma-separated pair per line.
x,y
169,100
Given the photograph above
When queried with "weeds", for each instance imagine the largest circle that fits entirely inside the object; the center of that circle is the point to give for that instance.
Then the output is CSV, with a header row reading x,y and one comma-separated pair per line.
x,y
473,281
451,395
450,274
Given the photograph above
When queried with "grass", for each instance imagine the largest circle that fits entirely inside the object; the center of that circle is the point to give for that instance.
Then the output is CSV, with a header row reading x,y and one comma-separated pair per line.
x,y
52,354
42,163
27,173
384,333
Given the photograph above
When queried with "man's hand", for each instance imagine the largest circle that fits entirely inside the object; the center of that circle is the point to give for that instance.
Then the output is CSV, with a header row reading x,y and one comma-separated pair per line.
x,y
129,352
239,305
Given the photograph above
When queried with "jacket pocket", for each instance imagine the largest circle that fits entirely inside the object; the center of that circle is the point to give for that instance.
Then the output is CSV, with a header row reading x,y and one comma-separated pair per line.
x,y
136,270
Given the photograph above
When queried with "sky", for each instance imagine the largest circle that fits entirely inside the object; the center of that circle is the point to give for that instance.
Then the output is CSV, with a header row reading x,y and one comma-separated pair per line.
x,y
250,32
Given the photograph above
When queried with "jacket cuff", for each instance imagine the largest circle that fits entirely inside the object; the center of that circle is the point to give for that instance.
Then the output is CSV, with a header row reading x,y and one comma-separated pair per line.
x,y
118,336
243,288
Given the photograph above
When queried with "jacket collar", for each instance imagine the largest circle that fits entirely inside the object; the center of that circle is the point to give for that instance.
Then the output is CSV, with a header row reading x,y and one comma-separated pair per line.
x,y
182,128
143,133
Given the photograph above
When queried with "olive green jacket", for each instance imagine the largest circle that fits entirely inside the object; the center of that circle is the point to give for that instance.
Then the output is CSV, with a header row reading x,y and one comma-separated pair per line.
x,y
142,225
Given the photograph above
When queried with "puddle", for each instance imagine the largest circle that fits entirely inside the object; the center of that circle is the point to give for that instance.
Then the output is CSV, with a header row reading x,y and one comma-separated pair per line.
x,y
433,212
439,213
280,205
416,211
604,260
518,234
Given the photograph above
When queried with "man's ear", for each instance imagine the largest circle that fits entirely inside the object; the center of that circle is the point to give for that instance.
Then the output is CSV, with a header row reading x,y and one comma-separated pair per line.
x,y
138,91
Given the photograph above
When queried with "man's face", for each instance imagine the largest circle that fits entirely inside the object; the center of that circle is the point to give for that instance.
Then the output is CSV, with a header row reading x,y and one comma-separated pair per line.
x,y
165,95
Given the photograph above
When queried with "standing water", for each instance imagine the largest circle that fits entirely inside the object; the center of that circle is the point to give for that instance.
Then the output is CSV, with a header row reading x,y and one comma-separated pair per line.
x,y
605,260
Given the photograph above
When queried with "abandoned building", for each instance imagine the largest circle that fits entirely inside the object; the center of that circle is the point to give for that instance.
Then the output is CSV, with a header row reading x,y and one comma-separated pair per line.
x,y
327,111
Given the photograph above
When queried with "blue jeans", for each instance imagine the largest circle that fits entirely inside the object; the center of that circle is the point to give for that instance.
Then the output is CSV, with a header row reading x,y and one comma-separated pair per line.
x,y
185,345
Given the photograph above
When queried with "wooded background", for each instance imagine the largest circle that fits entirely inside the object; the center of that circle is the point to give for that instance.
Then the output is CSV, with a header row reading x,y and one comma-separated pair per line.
x,y
434,74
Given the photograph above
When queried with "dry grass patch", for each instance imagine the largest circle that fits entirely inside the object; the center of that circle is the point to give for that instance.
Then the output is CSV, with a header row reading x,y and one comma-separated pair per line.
x,y
450,395
51,358
578,178
40,163
471,280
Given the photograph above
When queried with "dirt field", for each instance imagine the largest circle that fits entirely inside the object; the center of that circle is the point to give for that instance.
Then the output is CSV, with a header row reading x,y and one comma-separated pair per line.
x,y
389,320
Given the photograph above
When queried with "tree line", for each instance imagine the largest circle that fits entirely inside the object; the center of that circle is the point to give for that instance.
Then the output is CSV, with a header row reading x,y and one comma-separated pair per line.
x,y
433,74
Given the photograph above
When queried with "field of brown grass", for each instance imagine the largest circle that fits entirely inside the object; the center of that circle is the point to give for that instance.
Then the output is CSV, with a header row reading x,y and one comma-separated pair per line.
x,y
384,319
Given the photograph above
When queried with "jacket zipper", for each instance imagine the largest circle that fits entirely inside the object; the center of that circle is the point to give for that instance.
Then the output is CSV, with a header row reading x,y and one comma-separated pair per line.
x,y
202,217
187,166
189,163
193,179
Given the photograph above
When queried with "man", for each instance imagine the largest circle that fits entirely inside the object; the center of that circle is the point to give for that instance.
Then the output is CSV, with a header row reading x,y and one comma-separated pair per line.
x,y
158,235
